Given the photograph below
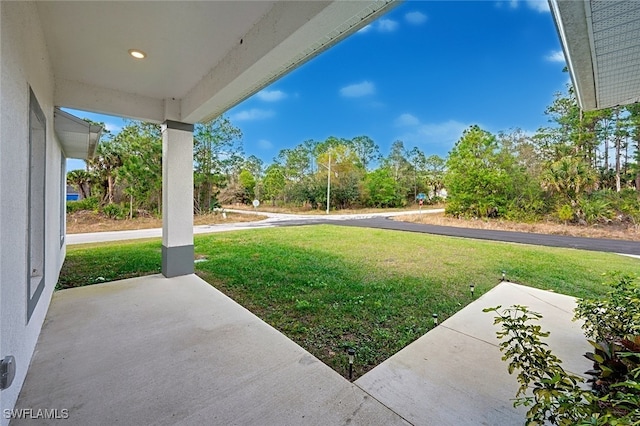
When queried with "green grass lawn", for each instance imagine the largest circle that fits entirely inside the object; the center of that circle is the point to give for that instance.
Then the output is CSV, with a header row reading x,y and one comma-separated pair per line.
x,y
330,288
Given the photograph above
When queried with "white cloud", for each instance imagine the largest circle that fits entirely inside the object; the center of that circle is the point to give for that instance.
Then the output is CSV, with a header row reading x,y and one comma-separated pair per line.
x,y
406,119
415,18
447,132
555,56
113,128
385,25
538,5
271,95
512,4
358,89
265,144
444,133
252,114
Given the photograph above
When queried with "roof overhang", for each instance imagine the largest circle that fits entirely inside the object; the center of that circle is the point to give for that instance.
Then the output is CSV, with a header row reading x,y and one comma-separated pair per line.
x,y
203,57
79,139
601,43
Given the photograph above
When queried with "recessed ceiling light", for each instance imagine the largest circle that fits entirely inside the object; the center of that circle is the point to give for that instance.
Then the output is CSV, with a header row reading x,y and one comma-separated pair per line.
x,y
138,54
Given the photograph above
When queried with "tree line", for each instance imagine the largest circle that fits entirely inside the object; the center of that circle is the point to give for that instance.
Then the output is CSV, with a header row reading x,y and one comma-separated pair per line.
x,y
581,168
584,168
127,172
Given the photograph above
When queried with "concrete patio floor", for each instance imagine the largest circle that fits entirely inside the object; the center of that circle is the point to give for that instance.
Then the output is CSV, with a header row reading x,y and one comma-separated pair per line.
x,y
454,375
158,351
163,351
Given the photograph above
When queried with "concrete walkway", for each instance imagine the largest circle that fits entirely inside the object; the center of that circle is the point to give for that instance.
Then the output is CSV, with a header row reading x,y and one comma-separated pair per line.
x,y
453,375
157,351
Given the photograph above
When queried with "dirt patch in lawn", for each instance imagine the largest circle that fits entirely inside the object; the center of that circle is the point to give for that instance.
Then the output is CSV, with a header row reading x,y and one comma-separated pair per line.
x,y
90,221
618,231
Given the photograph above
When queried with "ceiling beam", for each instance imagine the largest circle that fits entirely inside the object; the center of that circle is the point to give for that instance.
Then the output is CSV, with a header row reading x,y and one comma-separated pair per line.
x,y
86,97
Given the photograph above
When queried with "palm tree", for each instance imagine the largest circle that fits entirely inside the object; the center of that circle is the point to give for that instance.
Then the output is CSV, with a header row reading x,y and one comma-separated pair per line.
x,y
107,159
80,179
570,176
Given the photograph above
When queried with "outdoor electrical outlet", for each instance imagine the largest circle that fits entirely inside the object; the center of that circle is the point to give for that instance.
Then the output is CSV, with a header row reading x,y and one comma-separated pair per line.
x,y
7,371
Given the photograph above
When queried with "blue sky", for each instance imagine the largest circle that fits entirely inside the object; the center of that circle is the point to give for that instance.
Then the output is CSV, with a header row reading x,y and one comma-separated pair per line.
x,y
421,74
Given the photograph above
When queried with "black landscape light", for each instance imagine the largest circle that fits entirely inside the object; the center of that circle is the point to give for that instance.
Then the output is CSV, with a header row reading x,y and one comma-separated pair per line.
x,y
504,274
351,352
435,319
472,287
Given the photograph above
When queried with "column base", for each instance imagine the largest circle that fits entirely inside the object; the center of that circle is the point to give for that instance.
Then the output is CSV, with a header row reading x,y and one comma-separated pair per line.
x,y
177,261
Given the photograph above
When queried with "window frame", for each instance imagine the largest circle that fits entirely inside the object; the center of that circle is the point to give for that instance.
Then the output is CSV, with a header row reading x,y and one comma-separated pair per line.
x,y
63,198
36,204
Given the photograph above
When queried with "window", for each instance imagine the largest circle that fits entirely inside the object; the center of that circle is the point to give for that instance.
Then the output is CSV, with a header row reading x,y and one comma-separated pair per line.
x,y
36,204
63,198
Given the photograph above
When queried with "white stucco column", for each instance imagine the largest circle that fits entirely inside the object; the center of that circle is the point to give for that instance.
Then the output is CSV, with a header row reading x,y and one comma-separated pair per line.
x,y
177,199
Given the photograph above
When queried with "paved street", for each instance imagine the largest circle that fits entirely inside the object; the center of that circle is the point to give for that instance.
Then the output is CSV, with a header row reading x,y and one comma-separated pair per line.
x,y
593,244
271,220
379,221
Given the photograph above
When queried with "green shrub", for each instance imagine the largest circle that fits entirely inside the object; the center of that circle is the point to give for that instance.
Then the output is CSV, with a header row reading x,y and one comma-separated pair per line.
x,y
115,211
436,199
565,213
454,208
557,396
90,203
615,374
616,316
73,206
629,205
526,210
595,209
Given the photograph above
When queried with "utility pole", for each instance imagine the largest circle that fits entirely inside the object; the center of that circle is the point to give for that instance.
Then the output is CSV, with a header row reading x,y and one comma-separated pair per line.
x,y
329,182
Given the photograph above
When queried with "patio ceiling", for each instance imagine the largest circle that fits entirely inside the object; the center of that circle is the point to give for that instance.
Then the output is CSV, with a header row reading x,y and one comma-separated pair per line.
x,y
202,58
601,42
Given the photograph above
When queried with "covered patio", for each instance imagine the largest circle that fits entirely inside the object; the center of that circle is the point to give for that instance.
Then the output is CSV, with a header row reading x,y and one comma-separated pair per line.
x,y
172,349
163,351
180,63
173,63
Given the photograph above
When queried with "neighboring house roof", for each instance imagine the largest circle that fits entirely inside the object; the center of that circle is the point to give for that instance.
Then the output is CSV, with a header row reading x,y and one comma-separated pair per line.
x,y
601,43
78,138
202,57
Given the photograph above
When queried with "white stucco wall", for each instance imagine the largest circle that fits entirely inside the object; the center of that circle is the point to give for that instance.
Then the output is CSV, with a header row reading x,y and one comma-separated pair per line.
x,y
24,63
